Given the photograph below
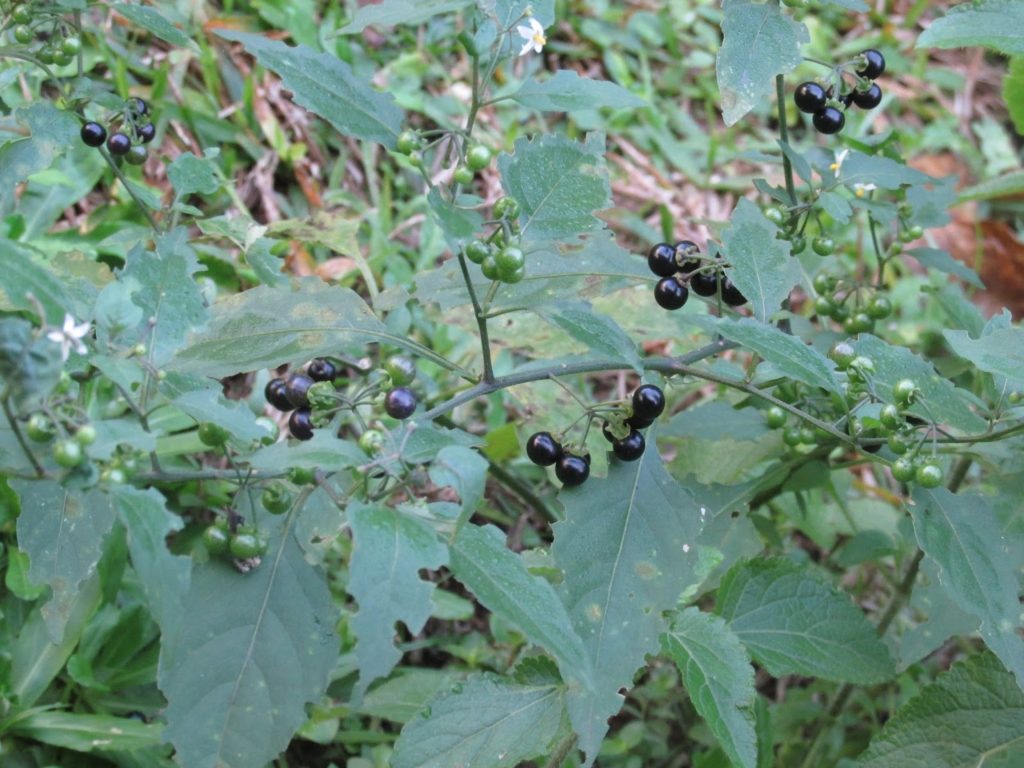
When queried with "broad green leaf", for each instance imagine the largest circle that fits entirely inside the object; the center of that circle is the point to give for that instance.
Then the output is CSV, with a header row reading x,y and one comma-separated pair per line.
x,y
1000,351
62,531
972,716
883,172
599,332
627,547
1007,185
788,353
559,184
566,91
463,469
717,674
499,579
209,405
51,131
328,87
320,522
392,12
265,327
936,258
154,21
26,274
164,576
943,618
947,403
794,622
759,42
483,721
761,265
164,287
255,649
390,550
30,365
190,175
87,733
406,693
963,536
459,224
1013,94
324,451
997,24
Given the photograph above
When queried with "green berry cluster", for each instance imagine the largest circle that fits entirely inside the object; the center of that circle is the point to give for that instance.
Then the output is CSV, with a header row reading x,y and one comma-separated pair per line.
x,y
499,256
245,544
857,309
42,25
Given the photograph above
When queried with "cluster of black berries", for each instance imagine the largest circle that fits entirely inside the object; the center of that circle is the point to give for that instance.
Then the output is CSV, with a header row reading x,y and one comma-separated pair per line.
x,y
825,105
682,269
292,393
135,130
544,450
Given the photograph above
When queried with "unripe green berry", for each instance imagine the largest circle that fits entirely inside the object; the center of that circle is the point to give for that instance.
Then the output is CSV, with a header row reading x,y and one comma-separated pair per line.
x,y
478,157
823,246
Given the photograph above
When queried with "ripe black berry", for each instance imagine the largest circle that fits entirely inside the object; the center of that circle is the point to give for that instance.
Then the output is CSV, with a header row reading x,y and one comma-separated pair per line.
x,y
296,389
93,134
662,260
874,64
275,394
648,401
300,424
322,369
809,97
145,133
704,284
868,99
572,470
543,449
829,120
400,402
670,293
119,144
137,105
631,447
731,294
685,259
636,422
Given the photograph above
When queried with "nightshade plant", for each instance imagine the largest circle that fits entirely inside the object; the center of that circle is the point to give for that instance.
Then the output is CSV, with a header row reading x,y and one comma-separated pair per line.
x,y
475,498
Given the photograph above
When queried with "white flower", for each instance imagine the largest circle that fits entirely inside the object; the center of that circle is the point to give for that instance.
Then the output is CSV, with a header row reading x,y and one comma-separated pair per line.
x,y
533,35
69,336
838,164
862,189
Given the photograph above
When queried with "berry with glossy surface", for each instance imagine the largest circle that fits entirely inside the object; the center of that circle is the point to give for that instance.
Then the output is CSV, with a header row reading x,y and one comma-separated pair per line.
x,y
407,142
572,470
809,97
296,389
275,394
477,251
137,105
505,208
542,449
879,308
216,540
23,34
93,134
903,470
137,155
829,120
39,428
904,391
731,295
509,260
119,144
661,260
631,447
890,417
463,176
400,369
21,14
246,545
671,294
842,354
276,499
775,417
489,267
145,133
400,402
300,424
823,306
874,64
928,475
868,99
898,443
68,453
648,402
212,435
687,256
322,369
371,442
478,157
858,322
823,246
704,284
70,46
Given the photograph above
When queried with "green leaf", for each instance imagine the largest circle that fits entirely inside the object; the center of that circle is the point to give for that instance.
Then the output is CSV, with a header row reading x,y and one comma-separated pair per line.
x,y
328,87
190,175
30,365
459,224
484,719
559,184
759,42
786,352
996,24
87,733
51,131
499,579
762,267
164,287
965,539
393,12
794,622
265,327
26,275
946,402
599,332
153,21
463,469
406,693
971,716
324,451
209,405
62,532
1007,185
255,649
717,674
626,546
883,172
566,91
391,548
998,351
936,258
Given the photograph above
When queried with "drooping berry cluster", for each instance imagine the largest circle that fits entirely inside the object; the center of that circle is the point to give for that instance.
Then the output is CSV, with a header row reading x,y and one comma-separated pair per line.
x,y
682,269
855,308
44,22
828,106
133,130
499,256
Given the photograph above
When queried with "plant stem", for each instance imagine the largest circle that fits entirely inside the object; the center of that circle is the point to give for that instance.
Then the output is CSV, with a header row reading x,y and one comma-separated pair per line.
x,y
128,187
481,319
5,402
787,167
565,746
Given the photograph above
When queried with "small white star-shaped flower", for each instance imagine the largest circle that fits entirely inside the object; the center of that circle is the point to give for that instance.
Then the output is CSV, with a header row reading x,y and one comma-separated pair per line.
x,y
533,34
70,336
838,164
862,189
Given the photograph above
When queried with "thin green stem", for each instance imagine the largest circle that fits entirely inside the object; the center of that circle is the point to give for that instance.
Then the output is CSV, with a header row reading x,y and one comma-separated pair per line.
x,y
481,319
128,187
787,167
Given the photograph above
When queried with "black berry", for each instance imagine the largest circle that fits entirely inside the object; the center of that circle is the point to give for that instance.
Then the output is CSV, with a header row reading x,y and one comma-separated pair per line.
x,y
322,369
648,401
119,144
662,260
809,97
704,284
400,402
572,470
868,99
631,447
543,449
637,422
296,389
137,105
731,295
145,133
300,424
874,64
93,134
829,120
685,259
670,293
275,395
